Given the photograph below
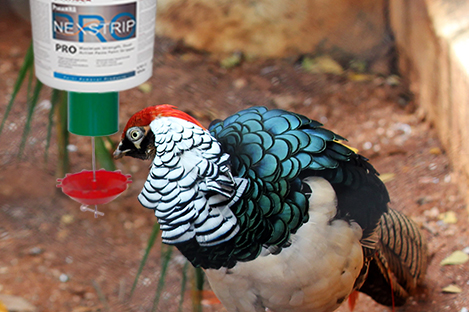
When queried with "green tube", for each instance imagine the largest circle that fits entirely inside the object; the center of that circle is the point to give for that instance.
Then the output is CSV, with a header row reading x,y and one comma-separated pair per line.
x,y
93,114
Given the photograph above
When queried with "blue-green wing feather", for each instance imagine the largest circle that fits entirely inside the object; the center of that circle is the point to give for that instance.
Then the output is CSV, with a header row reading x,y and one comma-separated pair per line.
x,y
274,150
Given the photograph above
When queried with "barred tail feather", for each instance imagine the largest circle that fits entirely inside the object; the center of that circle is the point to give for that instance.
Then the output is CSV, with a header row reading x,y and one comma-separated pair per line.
x,y
399,263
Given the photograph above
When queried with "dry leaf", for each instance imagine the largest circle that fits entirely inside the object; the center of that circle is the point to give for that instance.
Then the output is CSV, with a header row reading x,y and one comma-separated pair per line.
x,y
145,87
457,257
386,177
453,289
360,77
67,219
231,61
322,65
448,217
3,308
435,151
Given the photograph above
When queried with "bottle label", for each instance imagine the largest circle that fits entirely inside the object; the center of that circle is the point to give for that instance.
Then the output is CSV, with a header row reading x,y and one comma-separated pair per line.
x,y
93,45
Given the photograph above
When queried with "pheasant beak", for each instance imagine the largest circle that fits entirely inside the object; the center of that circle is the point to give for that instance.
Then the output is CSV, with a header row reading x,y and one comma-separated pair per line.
x,y
118,153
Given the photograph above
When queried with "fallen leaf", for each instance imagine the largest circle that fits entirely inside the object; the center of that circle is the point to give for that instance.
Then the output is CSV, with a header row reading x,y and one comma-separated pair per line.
x,y
435,151
15,303
386,177
3,308
448,217
358,65
452,289
457,257
231,61
322,65
360,77
145,87
67,219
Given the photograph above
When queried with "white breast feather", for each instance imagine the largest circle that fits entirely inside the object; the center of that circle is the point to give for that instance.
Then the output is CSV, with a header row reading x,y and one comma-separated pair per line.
x,y
189,182
315,274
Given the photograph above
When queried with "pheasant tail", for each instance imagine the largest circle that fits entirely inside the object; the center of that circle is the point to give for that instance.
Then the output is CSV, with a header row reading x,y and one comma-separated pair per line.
x,y
399,262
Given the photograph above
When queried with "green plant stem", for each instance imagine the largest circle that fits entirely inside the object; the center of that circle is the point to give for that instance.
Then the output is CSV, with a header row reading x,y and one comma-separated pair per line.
x,y
25,67
151,242
101,296
183,285
63,165
31,107
166,256
197,288
54,99
103,156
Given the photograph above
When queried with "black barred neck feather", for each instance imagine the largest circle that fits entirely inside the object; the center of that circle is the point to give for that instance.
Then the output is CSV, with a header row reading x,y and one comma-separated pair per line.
x,y
190,186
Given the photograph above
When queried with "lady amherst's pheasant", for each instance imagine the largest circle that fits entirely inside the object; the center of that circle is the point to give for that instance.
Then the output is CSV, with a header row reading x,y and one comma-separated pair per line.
x,y
277,211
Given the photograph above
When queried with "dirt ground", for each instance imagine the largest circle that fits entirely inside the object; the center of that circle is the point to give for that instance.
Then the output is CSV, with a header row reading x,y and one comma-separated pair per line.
x,y
62,259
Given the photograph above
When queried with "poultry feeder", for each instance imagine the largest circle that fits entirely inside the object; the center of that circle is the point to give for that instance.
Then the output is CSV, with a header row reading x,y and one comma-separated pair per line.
x,y
94,187
93,50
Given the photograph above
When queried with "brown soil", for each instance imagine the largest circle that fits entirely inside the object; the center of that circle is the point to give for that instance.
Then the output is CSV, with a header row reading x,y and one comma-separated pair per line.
x,y
62,259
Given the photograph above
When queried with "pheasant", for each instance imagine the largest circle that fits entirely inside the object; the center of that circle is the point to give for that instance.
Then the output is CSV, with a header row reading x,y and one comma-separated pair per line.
x,y
277,211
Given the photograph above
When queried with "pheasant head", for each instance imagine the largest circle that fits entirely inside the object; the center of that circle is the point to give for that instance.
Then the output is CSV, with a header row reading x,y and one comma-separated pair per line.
x,y
138,140
190,185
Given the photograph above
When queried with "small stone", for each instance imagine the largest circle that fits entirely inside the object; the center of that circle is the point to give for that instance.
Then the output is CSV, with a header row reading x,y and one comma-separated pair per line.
x,y
428,180
64,278
367,145
308,101
240,83
286,101
432,213
146,281
267,70
15,51
35,251
44,105
89,296
12,126
380,131
72,148
128,225
393,80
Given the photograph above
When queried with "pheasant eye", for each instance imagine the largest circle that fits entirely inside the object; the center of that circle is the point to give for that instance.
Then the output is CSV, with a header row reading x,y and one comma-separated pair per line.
x,y
135,134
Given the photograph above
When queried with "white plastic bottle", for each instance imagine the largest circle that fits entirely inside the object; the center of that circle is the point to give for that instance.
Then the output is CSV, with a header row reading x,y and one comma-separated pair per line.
x,y
93,45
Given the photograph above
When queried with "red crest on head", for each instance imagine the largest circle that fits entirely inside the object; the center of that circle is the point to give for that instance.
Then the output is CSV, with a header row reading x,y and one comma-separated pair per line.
x,y
147,115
